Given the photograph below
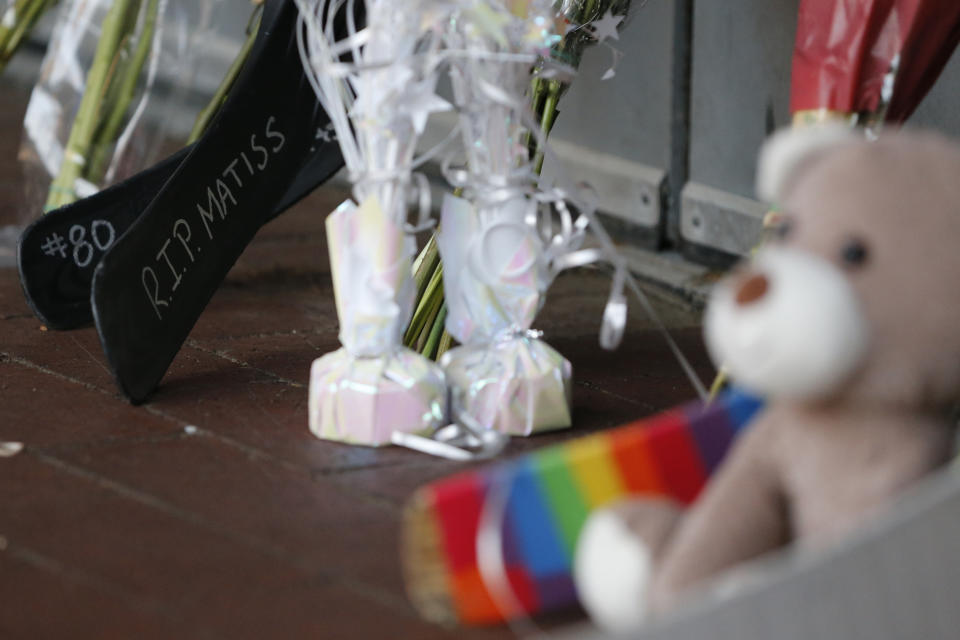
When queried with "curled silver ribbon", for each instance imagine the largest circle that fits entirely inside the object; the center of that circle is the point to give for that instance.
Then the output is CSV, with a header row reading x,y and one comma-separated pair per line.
x,y
614,318
463,440
397,42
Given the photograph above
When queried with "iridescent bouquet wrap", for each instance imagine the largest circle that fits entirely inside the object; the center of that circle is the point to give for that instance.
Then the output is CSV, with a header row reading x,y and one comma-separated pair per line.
x,y
377,85
372,386
496,268
495,277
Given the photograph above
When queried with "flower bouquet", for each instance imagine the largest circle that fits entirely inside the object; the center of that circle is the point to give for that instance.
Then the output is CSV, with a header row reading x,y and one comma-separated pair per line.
x,y
497,268
115,78
377,86
572,22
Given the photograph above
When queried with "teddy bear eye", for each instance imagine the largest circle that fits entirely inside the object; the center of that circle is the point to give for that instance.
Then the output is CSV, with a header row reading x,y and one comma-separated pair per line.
x,y
777,226
784,228
854,253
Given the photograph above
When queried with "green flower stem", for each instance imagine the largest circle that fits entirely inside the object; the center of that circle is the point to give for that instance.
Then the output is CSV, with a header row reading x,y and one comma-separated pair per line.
x,y
537,92
10,36
19,6
548,116
426,265
429,302
206,116
431,347
26,13
428,275
62,190
431,326
120,101
446,343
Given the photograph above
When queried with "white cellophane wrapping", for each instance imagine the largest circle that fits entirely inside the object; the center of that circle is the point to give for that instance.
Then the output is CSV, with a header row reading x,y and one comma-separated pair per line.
x,y
363,400
518,385
372,386
495,278
187,58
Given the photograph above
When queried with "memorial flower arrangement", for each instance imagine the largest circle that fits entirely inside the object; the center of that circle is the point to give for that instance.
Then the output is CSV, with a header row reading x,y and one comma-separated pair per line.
x,y
377,85
373,67
502,237
577,24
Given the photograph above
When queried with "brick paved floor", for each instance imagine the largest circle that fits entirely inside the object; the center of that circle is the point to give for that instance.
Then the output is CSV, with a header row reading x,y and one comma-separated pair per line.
x,y
119,522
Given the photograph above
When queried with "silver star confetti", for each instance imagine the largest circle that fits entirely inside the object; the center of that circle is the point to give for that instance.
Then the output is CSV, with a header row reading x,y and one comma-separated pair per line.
x,y
606,27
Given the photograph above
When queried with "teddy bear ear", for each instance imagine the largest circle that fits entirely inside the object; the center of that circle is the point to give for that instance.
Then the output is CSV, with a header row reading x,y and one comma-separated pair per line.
x,y
785,154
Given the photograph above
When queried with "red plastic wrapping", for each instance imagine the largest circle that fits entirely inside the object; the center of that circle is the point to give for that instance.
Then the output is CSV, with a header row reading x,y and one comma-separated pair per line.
x,y
844,48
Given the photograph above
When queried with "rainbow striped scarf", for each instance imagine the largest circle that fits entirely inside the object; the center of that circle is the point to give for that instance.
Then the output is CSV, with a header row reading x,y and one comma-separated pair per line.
x,y
549,495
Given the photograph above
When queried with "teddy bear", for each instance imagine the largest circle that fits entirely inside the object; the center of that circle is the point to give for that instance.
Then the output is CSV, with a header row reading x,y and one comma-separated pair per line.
x,y
848,325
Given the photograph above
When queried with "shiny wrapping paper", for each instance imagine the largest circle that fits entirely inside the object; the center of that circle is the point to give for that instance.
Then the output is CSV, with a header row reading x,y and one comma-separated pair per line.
x,y
363,400
519,385
373,386
495,278
846,49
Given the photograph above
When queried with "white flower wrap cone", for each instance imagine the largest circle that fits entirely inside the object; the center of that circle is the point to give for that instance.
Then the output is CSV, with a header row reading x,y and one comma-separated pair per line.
x,y
495,277
372,386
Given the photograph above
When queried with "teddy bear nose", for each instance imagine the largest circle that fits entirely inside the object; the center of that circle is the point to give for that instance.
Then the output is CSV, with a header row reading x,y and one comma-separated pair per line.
x,y
752,289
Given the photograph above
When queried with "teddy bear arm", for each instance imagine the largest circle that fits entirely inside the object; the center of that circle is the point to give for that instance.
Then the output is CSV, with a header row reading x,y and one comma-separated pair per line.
x,y
617,553
741,514
864,462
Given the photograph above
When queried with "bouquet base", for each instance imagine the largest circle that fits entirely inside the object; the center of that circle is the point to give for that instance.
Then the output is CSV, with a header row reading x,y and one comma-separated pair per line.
x,y
363,400
517,386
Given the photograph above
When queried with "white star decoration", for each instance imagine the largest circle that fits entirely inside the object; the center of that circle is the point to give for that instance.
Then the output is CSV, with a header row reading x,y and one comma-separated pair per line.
x,y
374,103
606,27
418,101
399,93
